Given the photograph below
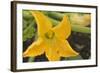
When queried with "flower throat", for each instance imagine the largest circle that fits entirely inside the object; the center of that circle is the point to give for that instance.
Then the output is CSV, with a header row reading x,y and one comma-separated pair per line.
x,y
50,34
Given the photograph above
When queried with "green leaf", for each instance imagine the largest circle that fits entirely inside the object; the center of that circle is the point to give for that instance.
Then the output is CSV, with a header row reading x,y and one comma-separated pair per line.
x,y
25,24
29,32
27,15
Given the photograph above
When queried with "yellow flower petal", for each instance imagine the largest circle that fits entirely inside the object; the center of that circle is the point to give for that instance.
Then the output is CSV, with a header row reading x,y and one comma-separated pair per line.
x,y
52,51
35,49
65,49
63,30
42,21
52,54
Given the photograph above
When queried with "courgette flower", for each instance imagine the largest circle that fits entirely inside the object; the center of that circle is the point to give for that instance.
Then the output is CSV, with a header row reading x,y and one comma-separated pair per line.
x,y
51,40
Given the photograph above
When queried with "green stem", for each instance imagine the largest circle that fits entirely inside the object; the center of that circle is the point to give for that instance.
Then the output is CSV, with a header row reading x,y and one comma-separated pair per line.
x,y
78,28
54,15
